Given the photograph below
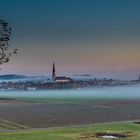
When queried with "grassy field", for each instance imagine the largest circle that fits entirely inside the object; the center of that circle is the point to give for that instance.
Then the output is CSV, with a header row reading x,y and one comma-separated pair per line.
x,y
65,100
132,131
30,119
8,125
58,100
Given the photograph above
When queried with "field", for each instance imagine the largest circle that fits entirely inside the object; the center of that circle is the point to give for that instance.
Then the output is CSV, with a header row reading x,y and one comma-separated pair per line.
x,y
130,131
43,114
69,119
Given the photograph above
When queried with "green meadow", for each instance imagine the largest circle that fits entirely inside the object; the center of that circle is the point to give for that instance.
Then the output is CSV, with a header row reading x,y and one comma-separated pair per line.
x,y
130,130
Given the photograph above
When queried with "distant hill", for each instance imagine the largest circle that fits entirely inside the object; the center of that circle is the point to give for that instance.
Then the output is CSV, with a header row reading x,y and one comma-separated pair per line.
x,y
11,77
23,78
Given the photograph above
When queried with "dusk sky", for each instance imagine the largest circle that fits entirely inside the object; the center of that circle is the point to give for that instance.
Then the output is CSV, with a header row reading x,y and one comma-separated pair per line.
x,y
80,36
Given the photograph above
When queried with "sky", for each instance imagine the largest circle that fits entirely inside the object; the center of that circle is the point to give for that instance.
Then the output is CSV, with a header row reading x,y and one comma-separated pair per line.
x,y
80,36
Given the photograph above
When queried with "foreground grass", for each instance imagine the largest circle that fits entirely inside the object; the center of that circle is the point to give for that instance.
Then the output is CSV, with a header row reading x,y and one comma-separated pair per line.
x,y
74,133
8,125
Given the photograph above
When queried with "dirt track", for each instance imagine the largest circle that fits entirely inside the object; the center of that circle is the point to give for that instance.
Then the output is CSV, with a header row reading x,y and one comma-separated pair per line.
x,y
48,115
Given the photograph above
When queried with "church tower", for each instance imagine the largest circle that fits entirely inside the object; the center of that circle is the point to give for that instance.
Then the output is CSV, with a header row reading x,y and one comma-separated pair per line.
x,y
53,72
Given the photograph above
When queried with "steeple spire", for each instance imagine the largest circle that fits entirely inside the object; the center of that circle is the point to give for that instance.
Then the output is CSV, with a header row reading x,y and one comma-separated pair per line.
x,y
53,72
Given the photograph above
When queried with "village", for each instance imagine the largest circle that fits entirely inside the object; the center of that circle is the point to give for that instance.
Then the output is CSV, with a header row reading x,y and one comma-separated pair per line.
x,y
63,82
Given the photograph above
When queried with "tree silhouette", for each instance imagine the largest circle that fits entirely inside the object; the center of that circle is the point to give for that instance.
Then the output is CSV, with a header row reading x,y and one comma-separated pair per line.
x,y
5,51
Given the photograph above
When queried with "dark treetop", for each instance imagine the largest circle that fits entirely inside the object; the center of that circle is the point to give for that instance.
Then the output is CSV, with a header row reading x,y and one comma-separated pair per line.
x,y
5,51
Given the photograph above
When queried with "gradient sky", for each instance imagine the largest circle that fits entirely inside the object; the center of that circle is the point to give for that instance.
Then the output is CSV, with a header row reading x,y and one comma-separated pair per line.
x,y
80,36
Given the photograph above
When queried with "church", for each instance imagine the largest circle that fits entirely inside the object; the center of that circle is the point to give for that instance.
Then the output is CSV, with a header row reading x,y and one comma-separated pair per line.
x,y
62,79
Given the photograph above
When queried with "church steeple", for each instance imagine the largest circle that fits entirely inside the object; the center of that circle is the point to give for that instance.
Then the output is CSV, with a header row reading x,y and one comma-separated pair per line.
x,y
53,72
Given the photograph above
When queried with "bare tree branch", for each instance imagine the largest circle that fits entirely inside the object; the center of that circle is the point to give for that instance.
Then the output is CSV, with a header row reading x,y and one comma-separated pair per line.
x,y
5,51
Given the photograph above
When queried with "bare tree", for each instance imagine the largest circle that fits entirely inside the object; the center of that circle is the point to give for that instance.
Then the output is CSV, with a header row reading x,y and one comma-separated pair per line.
x,y
5,51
